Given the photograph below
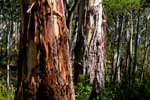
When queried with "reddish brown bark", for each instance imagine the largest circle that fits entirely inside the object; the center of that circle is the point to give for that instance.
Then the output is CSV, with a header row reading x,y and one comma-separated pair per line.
x,y
44,70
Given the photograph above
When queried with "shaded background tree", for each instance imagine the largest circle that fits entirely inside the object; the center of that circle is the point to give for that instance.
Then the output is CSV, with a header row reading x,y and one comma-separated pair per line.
x,y
9,37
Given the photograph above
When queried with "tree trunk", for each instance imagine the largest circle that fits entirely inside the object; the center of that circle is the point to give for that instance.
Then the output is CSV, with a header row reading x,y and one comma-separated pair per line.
x,y
44,71
129,51
146,48
8,53
95,41
133,71
80,43
10,32
117,55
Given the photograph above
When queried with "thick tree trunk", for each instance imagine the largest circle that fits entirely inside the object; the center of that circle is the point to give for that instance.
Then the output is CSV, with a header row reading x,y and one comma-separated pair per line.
x,y
95,39
44,71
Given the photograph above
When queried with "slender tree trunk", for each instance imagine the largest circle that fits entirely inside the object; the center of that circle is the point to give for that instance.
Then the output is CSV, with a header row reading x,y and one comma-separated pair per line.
x,y
144,62
80,45
146,49
133,71
8,55
10,31
44,71
129,51
117,55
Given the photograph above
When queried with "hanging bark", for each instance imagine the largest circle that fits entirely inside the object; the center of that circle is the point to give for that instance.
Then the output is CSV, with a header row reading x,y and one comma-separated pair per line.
x,y
95,51
44,72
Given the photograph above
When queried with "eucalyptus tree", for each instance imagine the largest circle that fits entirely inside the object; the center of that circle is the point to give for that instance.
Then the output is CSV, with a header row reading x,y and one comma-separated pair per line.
x,y
44,72
95,53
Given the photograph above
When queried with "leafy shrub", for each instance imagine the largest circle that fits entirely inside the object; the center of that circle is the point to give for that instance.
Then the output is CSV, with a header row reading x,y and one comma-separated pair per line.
x,y
6,94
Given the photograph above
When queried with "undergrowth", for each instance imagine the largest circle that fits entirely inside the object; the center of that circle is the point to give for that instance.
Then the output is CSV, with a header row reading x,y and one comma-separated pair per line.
x,y
6,94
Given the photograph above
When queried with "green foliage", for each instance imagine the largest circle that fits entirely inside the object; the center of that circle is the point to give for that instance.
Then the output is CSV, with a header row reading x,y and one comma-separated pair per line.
x,y
5,94
139,91
83,89
120,6
108,92
118,91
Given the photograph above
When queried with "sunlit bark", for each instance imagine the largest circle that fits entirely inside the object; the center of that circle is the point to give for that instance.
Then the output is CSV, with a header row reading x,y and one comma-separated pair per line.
x,y
95,52
44,71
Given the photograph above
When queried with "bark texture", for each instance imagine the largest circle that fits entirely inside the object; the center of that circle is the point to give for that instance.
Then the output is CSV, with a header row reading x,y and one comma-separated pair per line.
x,y
44,71
95,51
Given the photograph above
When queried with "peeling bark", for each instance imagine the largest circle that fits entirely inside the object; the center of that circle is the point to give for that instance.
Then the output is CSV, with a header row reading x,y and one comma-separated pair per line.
x,y
95,51
44,71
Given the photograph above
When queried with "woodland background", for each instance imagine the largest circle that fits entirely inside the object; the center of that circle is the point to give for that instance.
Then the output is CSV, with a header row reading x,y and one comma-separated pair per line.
x,y
127,49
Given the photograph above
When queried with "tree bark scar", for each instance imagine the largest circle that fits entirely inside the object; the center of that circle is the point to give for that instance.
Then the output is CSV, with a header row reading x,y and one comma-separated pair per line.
x,y
45,65
60,7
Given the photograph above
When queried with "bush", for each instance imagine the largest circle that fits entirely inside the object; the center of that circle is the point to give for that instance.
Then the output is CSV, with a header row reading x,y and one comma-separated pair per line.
x,y
6,94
